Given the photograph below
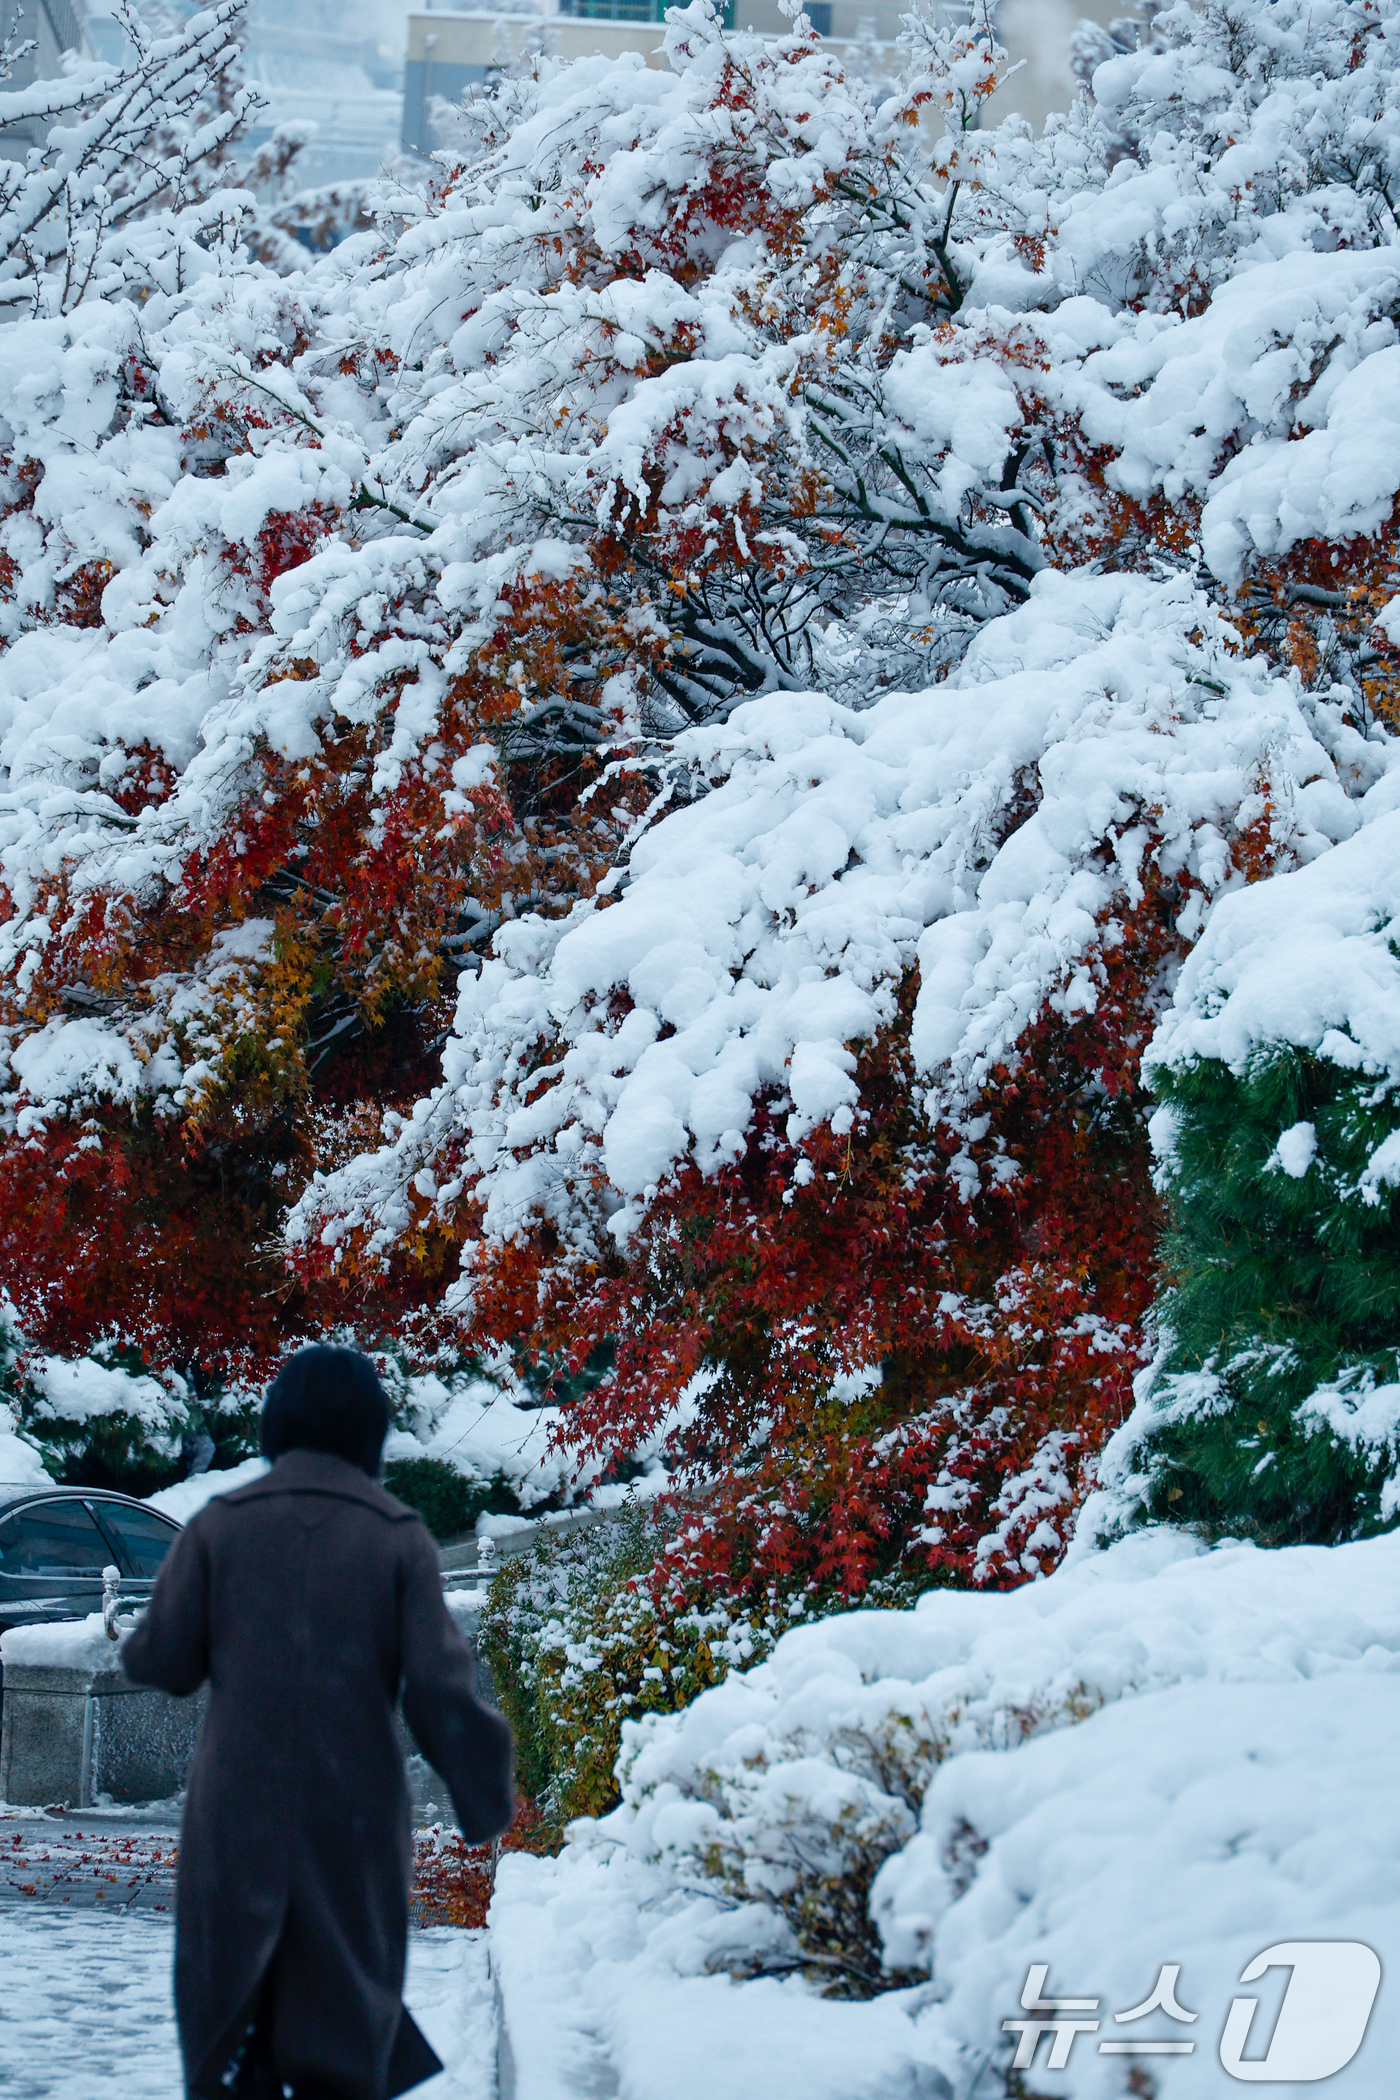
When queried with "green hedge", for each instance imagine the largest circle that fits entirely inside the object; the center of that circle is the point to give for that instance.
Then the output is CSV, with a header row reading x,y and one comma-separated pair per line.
x,y
577,1643
448,1500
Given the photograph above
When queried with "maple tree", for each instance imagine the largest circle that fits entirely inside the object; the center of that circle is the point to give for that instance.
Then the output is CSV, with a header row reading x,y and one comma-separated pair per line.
x,y
626,763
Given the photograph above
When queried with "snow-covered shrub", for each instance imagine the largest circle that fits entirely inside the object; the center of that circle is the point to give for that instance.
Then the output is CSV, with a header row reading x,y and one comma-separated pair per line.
x,y
806,1842
1150,1718
477,1439
1275,1408
990,883
468,1446
554,791
21,1462
103,1420
581,1636
463,1440
447,1499
1253,131
660,1118
21,1456
185,1498
323,640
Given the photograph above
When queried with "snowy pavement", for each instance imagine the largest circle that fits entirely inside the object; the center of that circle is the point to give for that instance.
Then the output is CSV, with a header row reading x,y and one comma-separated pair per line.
x,y
86,1860
85,1951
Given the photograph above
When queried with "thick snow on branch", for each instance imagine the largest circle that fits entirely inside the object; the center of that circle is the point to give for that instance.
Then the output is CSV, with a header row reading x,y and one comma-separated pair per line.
x,y
1307,959
1231,138
1278,408
808,397
993,830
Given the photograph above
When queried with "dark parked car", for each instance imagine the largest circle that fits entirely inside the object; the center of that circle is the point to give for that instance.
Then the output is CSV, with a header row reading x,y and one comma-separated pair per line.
x,y
55,1542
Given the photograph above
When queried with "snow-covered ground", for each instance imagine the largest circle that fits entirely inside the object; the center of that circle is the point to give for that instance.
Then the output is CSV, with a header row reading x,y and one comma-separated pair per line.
x,y
85,2007
1156,1760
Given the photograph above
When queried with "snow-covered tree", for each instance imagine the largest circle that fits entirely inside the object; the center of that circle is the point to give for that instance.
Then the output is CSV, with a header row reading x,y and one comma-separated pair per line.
x,y
630,760
658,1120
256,857
1274,1411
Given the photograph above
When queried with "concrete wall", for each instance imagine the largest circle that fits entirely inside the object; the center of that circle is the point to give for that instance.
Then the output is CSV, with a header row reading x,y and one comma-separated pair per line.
x,y
73,1735
447,52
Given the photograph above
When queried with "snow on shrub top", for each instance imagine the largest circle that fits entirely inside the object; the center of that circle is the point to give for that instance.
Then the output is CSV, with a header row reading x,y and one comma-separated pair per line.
x,y
20,1463
981,1784
1230,138
75,1391
187,1497
1273,1407
109,201
1279,406
488,1430
704,435
967,1670
625,297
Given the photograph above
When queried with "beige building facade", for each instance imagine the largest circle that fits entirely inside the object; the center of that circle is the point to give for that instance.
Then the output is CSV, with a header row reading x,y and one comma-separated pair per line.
x,y
447,52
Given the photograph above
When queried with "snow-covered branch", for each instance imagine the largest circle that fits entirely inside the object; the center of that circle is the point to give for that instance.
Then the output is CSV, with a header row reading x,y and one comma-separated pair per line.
x,y
122,144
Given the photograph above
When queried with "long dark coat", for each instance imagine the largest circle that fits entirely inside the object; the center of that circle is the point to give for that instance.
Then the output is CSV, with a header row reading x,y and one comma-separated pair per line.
x,y
307,1600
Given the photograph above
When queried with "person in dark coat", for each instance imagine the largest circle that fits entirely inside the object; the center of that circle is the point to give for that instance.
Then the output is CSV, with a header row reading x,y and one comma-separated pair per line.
x,y
307,1600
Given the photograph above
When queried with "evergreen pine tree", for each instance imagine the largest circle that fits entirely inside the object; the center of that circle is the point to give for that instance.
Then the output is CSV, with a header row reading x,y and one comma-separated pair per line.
x,y
1275,1412
1287,1286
